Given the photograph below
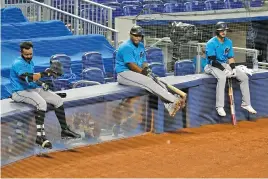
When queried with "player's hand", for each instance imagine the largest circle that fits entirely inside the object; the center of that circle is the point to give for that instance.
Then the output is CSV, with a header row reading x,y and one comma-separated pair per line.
x,y
45,86
234,72
146,71
228,73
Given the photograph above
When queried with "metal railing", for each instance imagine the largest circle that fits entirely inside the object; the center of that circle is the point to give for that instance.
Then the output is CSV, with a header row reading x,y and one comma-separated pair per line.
x,y
90,10
37,11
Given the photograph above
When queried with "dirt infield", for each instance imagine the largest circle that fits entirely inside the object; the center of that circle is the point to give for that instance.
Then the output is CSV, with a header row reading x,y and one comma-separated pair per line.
x,y
209,151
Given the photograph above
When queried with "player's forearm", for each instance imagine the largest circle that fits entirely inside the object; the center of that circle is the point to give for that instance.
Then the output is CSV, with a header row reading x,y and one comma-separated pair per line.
x,y
232,63
231,60
30,77
134,67
215,63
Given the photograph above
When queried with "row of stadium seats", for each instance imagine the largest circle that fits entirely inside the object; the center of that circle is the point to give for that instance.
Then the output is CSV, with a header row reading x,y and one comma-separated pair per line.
x,y
93,69
134,7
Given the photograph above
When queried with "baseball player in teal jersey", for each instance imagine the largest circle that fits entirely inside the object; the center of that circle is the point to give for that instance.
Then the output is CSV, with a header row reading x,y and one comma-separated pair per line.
x,y
221,64
132,69
26,89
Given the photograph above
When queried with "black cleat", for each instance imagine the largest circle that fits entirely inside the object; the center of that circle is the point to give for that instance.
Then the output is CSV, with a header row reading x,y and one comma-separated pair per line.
x,y
43,142
67,133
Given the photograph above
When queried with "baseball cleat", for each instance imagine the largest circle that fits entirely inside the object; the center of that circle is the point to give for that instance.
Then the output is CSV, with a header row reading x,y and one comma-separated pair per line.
x,y
43,142
172,108
250,109
67,133
221,112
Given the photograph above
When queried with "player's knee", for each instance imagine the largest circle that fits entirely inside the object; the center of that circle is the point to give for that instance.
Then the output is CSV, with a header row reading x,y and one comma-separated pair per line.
x,y
58,101
242,77
42,105
222,79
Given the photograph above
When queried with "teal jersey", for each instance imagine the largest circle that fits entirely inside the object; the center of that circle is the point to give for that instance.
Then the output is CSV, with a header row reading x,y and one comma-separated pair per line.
x,y
129,53
222,51
19,67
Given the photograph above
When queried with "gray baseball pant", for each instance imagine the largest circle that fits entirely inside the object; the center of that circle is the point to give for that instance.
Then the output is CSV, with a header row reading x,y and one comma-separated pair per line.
x,y
221,77
132,78
38,98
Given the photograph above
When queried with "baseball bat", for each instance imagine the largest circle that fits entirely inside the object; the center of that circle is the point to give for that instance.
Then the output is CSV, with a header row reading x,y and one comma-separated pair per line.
x,y
231,98
173,88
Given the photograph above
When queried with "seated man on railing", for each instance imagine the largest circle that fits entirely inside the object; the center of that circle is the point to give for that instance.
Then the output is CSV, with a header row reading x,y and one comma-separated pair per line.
x,y
132,69
27,88
221,64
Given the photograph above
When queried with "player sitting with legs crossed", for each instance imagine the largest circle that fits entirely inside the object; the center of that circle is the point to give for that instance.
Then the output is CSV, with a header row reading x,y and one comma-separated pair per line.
x,y
132,69
219,51
25,89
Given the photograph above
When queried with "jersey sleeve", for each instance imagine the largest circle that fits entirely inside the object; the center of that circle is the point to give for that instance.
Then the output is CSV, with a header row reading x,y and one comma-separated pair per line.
x,y
19,68
210,49
128,55
231,51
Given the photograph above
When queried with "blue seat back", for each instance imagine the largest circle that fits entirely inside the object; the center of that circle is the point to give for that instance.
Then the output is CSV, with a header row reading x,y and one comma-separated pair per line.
x,y
130,10
173,7
158,69
184,67
61,84
92,59
198,6
153,8
93,74
154,54
236,4
124,3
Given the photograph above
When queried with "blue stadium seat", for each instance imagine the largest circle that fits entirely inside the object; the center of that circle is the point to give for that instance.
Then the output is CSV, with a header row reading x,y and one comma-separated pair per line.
x,y
173,7
117,12
215,5
184,67
198,6
152,2
105,1
155,54
92,59
256,3
188,6
236,4
66,64
61,84
130,10
158,69
124,3
208,5
153,8
93,74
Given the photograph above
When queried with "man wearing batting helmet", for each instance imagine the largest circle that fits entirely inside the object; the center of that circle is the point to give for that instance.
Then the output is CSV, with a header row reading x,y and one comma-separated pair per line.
x,y
132,69
27,88
221,64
